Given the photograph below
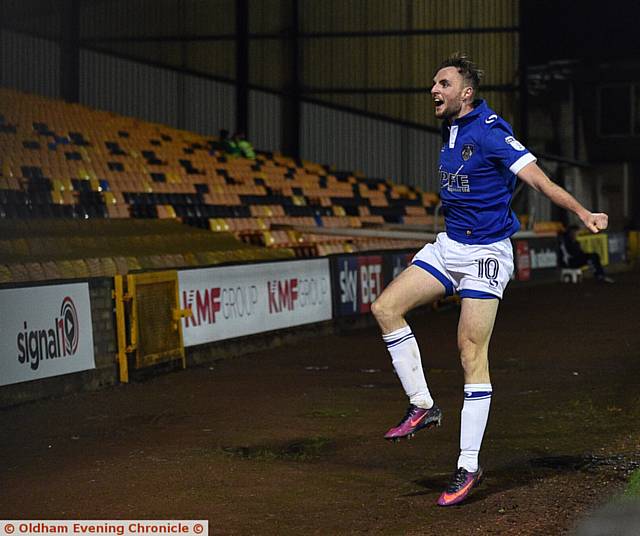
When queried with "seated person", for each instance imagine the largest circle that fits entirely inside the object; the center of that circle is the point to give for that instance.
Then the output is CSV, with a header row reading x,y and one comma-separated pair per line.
x,y
245,147
572,255
226,145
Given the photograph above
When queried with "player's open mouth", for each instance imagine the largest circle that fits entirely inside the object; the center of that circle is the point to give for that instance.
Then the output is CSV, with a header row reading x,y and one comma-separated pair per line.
x,y
438,102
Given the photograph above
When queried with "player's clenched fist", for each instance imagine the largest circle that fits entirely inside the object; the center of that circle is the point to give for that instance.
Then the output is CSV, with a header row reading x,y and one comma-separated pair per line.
x,y
596,222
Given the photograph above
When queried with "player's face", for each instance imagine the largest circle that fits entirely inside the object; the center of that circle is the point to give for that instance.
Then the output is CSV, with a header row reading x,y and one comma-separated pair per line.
x,y
449,93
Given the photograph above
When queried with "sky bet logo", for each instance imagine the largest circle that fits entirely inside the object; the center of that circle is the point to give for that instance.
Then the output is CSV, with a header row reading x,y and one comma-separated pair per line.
x,y
360,283
61,340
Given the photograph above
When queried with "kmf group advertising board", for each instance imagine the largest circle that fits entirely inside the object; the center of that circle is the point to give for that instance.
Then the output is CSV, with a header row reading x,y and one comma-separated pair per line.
x,y
232,301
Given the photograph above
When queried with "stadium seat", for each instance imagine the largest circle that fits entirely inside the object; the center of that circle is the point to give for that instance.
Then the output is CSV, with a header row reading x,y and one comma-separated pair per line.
x,y
66,161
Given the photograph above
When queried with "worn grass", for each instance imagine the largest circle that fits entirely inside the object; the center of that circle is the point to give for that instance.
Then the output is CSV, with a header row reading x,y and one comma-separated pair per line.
x,y
633,487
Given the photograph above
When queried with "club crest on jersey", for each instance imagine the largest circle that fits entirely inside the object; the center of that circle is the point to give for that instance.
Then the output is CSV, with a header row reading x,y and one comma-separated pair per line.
x,y
467,151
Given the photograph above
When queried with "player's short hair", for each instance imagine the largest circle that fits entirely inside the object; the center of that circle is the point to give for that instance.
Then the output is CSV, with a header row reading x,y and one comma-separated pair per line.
x,y
465,66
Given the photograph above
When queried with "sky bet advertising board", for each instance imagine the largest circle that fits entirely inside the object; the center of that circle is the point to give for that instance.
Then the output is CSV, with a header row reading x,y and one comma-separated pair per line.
x,y
45,331
359,280
397,263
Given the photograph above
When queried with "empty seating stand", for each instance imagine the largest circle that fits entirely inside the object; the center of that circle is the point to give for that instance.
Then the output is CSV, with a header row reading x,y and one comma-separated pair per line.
x,y
34,250
66,161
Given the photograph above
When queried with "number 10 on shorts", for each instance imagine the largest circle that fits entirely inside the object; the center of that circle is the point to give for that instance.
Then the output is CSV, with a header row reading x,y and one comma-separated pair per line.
x,y
488,269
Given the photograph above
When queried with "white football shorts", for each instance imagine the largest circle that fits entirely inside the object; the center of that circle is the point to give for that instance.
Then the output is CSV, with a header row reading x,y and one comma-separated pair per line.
x,y
471,270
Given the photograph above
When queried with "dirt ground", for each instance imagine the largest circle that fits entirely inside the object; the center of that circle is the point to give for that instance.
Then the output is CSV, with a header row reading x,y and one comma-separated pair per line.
x,y
289,441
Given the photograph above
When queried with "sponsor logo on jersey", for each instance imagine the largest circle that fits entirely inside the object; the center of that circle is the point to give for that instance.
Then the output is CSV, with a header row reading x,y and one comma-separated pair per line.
x,y
454,182
514,143
467,151
491,119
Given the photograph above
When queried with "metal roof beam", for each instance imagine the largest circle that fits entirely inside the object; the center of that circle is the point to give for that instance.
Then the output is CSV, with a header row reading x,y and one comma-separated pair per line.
x,y
301,35
392,90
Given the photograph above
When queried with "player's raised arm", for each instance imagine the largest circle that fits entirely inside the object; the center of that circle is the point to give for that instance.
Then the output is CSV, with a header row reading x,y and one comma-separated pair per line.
x,y
538,180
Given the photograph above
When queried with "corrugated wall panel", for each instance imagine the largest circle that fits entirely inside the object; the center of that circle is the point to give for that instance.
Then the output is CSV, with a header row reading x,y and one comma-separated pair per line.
x,y
377,148
266,64
208,106
30,64
265,122
349,142
158,18
269,16
216,58
125,18
388,62
129,88
33,17
406,61
353,15
421,159
158,95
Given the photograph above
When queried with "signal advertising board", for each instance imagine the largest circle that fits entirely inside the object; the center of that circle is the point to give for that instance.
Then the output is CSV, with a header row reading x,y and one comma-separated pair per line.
x,y
45,331
232,301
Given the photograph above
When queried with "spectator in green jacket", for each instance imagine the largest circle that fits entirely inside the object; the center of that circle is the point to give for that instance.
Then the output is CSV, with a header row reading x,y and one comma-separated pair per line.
x,y
244,146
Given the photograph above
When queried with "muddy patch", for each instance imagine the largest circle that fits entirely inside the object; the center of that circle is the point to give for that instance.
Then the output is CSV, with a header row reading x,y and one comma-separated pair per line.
x,y
300,450
623,464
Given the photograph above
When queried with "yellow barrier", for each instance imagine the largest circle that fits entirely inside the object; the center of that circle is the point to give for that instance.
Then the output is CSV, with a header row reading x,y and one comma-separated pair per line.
x,y
148,320
634,245
596,243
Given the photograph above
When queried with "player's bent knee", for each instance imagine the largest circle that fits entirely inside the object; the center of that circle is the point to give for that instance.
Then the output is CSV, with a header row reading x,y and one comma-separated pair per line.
x,y
384,313
380,310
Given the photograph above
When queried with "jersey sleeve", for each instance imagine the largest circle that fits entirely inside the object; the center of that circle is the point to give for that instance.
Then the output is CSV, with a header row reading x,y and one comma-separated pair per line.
x,y
501,146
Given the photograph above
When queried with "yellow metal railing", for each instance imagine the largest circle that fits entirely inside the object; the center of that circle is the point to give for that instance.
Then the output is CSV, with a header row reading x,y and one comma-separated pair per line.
x,y
634,245
148,314
596,243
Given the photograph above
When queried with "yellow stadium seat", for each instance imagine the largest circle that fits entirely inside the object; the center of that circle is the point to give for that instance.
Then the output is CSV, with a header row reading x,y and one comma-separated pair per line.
x,y
5,274
19,272
65,269
80,268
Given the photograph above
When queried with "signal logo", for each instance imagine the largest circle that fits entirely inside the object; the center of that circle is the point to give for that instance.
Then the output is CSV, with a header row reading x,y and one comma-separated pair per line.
x,y
69,320
60,340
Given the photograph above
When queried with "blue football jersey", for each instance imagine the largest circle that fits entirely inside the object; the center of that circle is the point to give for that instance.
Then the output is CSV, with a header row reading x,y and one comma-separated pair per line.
x,y
479,161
